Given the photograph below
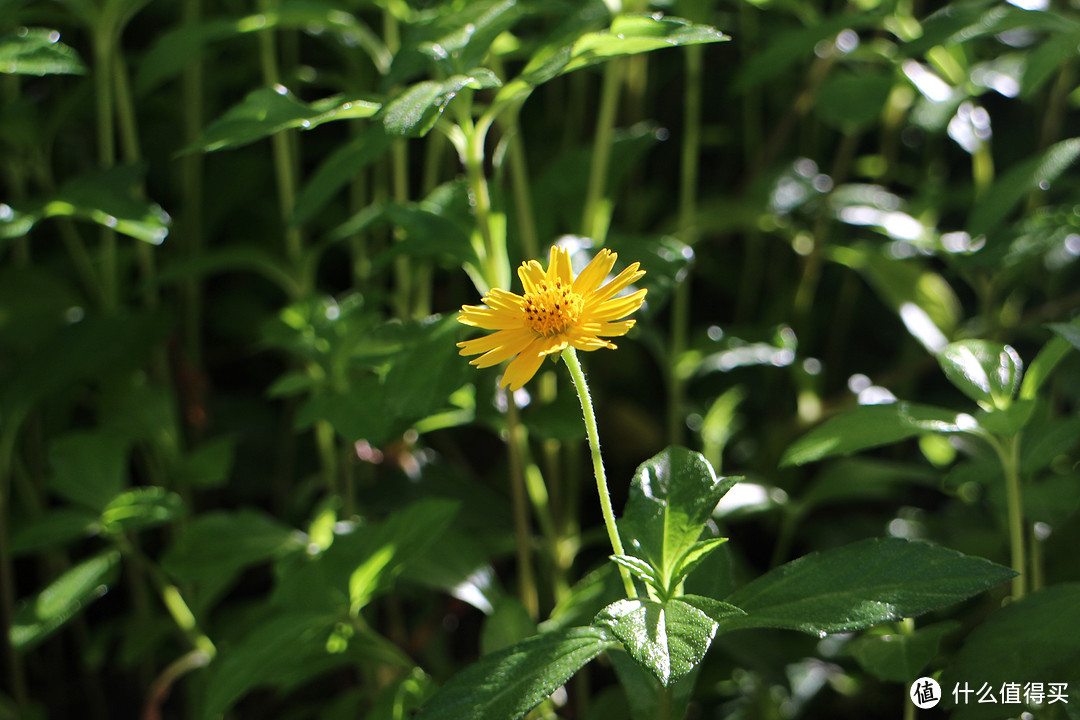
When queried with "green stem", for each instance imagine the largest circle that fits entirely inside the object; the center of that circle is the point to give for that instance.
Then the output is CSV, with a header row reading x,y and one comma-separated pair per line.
x,y
191,187
103,78
688,180
569,356
284,164
664,703
170,597
16,671
593,222
519,182
907,627
1008,453
522,532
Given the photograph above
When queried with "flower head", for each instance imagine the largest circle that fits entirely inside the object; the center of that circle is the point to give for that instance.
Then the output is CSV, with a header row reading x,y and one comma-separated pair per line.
x,y
556,311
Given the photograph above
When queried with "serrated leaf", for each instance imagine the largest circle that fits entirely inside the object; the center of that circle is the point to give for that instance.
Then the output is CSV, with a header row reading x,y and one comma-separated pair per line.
x,y
668,638
267,111
415,111
1036,639
141,508
672,496
899,656
862,584
868,426
995,205
987,372
507,684
38,51
39,616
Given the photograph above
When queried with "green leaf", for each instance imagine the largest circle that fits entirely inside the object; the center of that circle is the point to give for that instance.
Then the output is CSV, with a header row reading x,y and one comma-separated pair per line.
x,y
694,557
508,623
987,372
395,543
415,111
628,35
851,102
214,547
110,198
862,479
995,205
38,51
641,570
862,584
1048,358
288,650
1036,639
268,111
668,638
206,466
899,656
51,529
41,615
89,468
868,426
1069,331
338,169
507,684
141,508
672,496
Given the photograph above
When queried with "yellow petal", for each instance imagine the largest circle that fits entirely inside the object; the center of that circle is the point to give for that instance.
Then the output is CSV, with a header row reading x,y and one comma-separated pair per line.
x,y
617,307
559,266
503,299
531,275
627,276
504,352
491,319
492,341
595,272
524,366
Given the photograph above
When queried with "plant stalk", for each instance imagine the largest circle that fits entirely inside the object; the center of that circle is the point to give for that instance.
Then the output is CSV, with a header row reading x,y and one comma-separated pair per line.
x,y
569,356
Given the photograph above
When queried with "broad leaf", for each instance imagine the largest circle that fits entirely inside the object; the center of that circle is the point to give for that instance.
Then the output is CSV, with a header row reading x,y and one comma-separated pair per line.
x,y
39,616
899,656
339,168
987,372
1069,331
1034,640
38,51
672,495
507,684
89,468
267,111
51,529
868,426
668,638
860,585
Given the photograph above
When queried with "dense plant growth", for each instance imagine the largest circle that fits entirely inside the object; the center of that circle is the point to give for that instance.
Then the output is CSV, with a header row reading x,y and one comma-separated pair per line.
x,y
245,470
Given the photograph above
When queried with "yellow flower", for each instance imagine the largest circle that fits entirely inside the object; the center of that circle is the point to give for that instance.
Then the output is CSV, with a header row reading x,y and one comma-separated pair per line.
x,y
555,312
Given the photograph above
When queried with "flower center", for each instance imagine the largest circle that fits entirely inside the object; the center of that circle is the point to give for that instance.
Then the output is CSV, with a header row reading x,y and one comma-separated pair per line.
x,y
552,307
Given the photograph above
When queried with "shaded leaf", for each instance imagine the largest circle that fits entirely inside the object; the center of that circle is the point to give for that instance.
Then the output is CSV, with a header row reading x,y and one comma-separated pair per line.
x,y
89,467
852,102
1036,639
51,529
862,584
899,656
507,684
338,169
995,205
868,426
